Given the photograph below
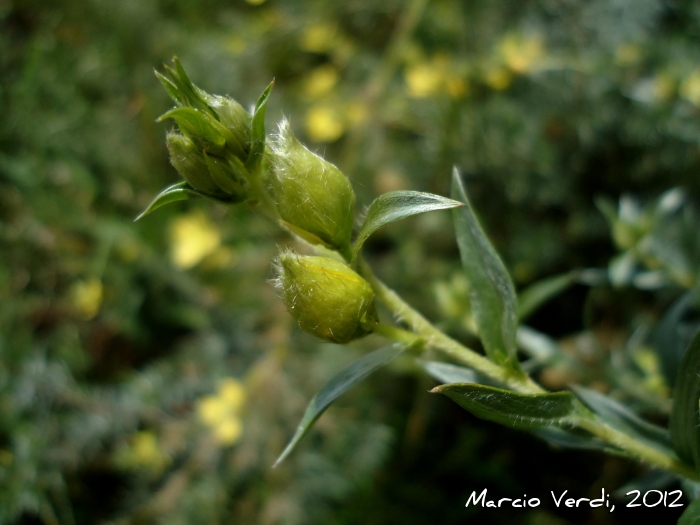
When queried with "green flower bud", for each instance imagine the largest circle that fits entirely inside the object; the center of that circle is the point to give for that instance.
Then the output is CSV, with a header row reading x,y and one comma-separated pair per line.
x,y
232,115
313,197
327,298
214,176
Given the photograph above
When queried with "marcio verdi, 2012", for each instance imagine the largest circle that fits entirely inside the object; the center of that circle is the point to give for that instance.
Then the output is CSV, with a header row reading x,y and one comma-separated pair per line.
x,y
524,502
649,498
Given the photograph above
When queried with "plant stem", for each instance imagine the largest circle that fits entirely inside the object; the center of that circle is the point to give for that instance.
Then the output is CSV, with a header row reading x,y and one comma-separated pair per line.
x,y
437,339
433,337
638,449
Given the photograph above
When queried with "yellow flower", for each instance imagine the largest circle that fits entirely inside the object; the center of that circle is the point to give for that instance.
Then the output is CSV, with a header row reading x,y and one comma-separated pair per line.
x,y
255,2
192,238
221,412
424,79
319,38
232,393
87,297
324,124
521,54
320,81
142,452
690,88
498,78
228,431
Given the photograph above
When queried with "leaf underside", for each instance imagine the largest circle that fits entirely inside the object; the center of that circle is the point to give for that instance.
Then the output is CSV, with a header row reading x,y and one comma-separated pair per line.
x,y
396,205
493,299
337,386
526,411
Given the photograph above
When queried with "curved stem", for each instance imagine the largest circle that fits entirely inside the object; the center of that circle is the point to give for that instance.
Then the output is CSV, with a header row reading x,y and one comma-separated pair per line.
x,y
638,449
435,338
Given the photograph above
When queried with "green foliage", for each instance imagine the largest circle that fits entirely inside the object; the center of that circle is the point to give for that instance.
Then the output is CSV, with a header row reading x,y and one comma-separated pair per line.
x,y
515,410
685,421
336,387
397,205
111,340
493,299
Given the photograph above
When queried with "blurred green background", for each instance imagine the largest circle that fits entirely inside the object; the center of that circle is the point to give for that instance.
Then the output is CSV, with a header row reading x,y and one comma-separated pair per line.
x,y
148,372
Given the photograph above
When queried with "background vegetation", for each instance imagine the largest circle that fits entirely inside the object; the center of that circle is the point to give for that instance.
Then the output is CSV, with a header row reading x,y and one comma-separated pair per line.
x,y
148,372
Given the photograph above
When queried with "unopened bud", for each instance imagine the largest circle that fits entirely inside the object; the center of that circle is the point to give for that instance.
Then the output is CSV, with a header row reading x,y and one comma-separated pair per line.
x,y
214,176
327,298
313,197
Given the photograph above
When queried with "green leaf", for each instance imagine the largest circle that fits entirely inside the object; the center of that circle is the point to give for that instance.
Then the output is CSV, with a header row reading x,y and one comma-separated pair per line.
x,y
396,205
542,291
177,192
199,127
672,335
508,408
171,88
448,373
691,516
493,300
685,421
258,128
619,417
337,386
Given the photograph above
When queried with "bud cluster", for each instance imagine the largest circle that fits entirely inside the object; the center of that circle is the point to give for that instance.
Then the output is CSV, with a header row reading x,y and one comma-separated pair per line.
x,y
218,152
212,150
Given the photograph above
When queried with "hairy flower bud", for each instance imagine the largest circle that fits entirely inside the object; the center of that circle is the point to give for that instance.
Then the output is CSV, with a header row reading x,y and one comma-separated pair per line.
x,y
313,197
214,176
330,300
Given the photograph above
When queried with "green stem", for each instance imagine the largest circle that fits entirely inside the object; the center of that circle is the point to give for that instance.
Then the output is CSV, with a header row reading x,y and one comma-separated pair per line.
x,y
397,334
435,338
638,449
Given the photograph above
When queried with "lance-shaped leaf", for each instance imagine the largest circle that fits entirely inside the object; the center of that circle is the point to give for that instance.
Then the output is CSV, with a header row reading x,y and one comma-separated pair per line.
x,y
448,373
685,420
619,417
493,300
337,386
177,192
396,205
526,411
258,128
691,516
535,295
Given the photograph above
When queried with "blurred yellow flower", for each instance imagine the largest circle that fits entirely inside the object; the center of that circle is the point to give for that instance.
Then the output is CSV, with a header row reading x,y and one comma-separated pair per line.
x,y
86,297
690,88
628,54
318,38
192,238
521,54
498,78
457,87
142,452
255,2
324,124
320,81
424,79
221,412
